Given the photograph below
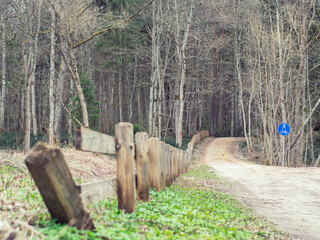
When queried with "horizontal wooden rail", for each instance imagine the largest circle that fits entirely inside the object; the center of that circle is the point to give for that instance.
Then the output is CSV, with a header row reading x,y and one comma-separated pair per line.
x,y
92,141
96,191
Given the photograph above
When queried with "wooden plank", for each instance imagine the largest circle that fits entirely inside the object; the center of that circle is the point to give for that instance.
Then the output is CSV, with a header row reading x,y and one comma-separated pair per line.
x,y
54,181
92,141
125,166
154,163
141,141
97,191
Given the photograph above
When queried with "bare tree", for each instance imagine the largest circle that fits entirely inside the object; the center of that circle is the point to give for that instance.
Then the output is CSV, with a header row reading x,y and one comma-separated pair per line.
x,y
3,71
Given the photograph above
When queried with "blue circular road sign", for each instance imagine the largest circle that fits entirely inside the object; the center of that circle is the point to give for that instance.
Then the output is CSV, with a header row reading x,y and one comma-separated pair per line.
x,y
284,129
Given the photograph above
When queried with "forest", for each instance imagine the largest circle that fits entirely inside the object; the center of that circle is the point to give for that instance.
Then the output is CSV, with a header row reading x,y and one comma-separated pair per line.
x,y
172,68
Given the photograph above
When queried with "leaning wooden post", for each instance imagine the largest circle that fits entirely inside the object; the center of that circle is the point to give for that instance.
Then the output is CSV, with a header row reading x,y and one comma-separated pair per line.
x,y
154,163
125,172
141,140
54,181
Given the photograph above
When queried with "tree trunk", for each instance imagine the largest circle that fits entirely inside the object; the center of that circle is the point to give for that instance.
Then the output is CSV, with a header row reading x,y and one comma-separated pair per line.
x,y
75,76
59,100
181,100
232,114
214,80
52,77
238,72
3,73
155,70
281,71
120,95
27,103
33,99
33,82
70,123
133,93
297,152
181,52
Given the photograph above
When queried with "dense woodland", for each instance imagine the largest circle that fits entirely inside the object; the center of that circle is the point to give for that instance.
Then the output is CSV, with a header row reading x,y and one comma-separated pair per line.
x,y
170,67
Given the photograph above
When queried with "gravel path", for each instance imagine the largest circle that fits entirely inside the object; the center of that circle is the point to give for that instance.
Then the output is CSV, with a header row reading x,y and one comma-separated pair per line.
x,y
289,197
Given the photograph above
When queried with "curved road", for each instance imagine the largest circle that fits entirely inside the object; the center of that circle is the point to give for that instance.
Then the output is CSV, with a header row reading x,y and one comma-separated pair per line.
x,y
289,197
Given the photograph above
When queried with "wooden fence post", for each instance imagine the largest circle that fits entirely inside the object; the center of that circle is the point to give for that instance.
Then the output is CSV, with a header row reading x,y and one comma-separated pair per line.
x,y
141,140
169,166
181,162
125,164
54,181
154,163
188,158
163,163
175,163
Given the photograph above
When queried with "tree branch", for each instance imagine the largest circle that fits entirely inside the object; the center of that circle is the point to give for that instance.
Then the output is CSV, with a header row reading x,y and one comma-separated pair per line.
x,y
303,125
112,27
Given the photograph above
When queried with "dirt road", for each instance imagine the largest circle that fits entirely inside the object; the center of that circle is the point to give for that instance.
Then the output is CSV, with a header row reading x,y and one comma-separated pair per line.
x,y
289,197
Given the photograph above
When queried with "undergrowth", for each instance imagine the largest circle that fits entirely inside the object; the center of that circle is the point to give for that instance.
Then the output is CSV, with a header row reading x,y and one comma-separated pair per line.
x,y
189,209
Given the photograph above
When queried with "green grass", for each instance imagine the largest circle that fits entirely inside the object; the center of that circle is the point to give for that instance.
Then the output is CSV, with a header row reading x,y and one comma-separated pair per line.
x,y
189,209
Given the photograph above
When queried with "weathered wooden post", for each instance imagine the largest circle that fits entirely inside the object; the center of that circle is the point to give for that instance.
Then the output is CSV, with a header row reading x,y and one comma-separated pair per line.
x,y
181,161
163,163
170,167
154,163
141,140
54,181
185,163
167,166
188,157
125,164
175,163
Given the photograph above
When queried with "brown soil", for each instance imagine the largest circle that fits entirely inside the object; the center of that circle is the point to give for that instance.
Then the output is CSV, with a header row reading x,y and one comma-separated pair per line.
x,y
289,197
84,166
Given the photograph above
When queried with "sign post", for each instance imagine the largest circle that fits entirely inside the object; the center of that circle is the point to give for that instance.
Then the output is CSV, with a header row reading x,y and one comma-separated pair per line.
x,y
283,130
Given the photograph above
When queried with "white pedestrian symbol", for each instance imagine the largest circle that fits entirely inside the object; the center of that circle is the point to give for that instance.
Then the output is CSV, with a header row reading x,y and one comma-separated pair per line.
x,y
284,130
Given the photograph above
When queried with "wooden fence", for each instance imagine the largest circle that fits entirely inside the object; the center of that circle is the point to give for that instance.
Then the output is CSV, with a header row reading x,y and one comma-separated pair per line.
x,y
157,165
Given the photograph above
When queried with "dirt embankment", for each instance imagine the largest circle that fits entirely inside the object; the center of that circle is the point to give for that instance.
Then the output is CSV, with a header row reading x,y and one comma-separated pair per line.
x,y
289,197
85,166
